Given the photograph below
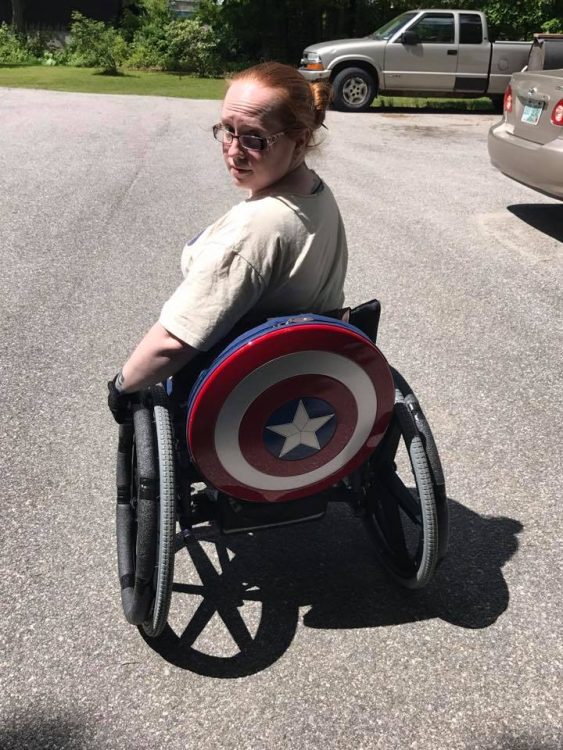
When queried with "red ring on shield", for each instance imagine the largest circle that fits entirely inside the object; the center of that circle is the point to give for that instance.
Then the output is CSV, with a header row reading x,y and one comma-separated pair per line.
x,y
218,390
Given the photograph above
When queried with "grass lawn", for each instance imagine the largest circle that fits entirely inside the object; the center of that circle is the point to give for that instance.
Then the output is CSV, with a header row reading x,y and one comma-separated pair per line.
x,y
62,78
177,84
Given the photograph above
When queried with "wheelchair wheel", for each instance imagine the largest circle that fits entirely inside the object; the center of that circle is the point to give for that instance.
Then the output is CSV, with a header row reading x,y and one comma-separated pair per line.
x,y
438,481
146,515
401,502
164,573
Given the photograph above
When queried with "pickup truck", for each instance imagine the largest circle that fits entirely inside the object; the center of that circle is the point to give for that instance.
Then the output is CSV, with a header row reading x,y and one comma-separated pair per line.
x,y
419,53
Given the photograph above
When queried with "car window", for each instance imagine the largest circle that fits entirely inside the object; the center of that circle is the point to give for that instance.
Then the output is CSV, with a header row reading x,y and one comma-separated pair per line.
x,y
387,31
435,28
470,28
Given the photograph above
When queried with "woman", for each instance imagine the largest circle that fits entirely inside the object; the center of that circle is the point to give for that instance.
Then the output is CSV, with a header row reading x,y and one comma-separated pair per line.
x,y
279,252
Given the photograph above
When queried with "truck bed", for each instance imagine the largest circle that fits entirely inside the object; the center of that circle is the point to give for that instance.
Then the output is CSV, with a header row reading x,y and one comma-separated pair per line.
x,y
506,58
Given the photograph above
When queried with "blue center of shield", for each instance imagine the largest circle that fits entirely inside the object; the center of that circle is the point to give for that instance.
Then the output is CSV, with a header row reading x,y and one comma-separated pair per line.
x,y
300,428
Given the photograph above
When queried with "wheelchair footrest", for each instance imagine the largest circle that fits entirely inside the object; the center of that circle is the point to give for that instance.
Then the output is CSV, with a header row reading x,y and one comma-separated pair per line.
x,y
239,515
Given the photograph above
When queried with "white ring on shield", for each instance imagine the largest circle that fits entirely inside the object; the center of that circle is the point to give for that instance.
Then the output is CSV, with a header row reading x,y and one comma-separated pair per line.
x,y
335,366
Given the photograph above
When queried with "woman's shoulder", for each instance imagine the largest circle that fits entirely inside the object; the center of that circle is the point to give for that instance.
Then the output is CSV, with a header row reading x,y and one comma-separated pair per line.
x,y
264,215
248,229
271,216
248,210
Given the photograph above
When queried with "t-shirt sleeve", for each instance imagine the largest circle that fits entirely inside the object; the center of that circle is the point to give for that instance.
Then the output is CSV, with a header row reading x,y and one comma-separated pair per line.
x,y
219,289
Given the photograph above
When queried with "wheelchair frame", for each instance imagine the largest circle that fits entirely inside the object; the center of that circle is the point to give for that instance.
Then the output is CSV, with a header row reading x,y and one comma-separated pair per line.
x,y
158,486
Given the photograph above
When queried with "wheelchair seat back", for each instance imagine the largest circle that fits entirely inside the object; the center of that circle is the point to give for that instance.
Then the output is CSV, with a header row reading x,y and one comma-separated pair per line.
x,y
289,408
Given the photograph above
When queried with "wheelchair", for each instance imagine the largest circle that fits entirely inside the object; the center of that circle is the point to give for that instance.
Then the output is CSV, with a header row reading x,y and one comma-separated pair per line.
x,y
265,431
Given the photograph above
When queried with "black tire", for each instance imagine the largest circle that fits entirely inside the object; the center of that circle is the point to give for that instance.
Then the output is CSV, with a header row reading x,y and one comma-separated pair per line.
x,y
164,572
403,519
498,103
146,515
438,480
354,90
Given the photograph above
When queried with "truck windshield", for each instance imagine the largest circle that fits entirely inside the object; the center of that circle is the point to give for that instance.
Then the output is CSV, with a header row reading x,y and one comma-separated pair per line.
x,y
386,32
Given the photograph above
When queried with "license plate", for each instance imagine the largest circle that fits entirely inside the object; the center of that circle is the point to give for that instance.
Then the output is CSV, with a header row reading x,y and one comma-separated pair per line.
x,y
532,113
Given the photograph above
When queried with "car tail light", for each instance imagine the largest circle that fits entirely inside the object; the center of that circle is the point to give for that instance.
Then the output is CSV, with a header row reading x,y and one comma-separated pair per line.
x,y
507,105
557,113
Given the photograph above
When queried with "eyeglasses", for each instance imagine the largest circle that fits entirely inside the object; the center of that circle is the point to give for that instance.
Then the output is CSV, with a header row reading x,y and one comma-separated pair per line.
x,y
248,142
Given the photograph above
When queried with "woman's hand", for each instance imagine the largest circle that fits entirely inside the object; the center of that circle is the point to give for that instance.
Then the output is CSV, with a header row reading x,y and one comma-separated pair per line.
x,y
119,403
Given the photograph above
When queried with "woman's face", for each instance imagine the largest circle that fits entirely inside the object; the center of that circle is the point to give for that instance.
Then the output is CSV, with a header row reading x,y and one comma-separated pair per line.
x,y
250,108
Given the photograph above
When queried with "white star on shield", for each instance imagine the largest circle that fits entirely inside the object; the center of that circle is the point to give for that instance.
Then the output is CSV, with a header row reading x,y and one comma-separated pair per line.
x,y
302,431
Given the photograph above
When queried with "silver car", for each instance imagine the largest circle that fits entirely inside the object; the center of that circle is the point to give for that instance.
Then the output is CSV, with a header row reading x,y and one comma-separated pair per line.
x,y
527,144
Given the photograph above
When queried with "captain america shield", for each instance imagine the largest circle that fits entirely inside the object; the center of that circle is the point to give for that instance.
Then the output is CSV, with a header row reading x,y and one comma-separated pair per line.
x,y
289,409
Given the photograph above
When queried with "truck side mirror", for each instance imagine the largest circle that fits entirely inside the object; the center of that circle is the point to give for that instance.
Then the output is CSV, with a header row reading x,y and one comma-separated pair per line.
x,y
409,37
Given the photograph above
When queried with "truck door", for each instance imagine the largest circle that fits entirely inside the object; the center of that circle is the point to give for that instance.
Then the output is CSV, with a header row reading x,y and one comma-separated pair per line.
x,y
473,57
430,63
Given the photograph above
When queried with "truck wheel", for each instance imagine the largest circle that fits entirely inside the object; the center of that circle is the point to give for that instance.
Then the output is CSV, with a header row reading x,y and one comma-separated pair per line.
x,y
354,90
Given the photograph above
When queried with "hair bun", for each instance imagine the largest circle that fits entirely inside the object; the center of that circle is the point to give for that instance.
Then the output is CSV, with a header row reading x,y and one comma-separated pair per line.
x,y
321,92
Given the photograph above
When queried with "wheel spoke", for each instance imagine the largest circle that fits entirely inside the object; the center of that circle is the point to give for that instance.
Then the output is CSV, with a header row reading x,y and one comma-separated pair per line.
x,y
203,565
235,624
390,444
198,623
223,555
402,495
388,518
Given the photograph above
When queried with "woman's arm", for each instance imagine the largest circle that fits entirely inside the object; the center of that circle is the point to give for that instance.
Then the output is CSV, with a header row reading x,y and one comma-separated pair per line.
x,y
159,355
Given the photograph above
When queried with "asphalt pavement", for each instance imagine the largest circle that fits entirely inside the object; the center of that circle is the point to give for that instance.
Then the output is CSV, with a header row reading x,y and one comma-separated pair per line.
x,y
98,196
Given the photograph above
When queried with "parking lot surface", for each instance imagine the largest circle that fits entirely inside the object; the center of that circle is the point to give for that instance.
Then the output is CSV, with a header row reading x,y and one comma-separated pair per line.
x,y
98,196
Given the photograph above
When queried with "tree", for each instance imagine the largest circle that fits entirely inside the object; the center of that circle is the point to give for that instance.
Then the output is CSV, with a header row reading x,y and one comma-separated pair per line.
x,y
18,16
519,19
269,29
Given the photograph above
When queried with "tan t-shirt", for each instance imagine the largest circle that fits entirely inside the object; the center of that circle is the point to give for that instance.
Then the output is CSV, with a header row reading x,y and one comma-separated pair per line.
x,y
278,255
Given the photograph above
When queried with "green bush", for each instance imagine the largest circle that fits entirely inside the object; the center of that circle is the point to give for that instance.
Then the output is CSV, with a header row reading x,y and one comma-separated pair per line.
x,y
149,49
95,45
38,44
55,56
230,49
149,46
193,47
185,45
14,48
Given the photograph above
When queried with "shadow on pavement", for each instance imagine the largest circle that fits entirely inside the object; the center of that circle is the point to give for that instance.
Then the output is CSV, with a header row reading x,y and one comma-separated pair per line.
x,y
330,568
39,732
523,742
546,217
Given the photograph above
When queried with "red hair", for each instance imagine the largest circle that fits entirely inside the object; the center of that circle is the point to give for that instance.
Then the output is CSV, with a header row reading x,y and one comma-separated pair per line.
x,y
302,105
